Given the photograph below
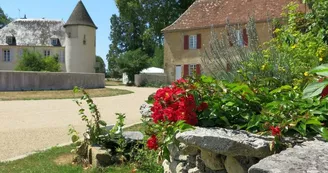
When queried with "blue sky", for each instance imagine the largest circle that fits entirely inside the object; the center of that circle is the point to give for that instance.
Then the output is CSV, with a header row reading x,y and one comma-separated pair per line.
x,y
101,11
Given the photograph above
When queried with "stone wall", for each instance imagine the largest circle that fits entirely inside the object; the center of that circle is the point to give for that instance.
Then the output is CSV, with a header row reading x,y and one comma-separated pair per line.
x,y
27,81
205,150
155,78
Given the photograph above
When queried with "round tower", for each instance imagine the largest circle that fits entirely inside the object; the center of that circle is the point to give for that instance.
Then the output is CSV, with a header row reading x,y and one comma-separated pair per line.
x,y
80,42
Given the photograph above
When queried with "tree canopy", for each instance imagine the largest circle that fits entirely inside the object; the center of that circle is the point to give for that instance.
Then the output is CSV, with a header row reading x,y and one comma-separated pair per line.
x,y
4,19
100,65
132,62
139,25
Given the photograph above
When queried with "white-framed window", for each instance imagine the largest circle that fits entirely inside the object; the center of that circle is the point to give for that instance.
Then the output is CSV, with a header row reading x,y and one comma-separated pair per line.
x,y
54,41
10,40
46,53
193,42
6,55
192,69
239,38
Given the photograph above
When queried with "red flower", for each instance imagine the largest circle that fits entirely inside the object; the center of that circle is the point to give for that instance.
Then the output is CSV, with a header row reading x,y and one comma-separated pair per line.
x,y
173,104
275,131
170,114
324,92
152,143
202,107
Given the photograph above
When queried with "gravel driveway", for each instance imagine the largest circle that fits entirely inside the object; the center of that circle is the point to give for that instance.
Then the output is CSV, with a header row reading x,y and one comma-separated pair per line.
x,y
28,126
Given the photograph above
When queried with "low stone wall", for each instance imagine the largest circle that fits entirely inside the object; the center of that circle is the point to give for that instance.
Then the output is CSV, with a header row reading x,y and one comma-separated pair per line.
x,y
27,81
156,78
219,150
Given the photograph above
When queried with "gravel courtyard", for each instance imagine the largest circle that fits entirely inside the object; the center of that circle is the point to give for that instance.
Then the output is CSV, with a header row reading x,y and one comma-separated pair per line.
x,y
27,126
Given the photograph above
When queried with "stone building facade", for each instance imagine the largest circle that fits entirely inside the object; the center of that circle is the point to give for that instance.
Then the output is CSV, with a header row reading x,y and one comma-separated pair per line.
x,y
187,38
73,42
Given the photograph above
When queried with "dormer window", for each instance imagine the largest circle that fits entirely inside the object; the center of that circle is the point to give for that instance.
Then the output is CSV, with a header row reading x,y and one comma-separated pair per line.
x,y
84,40
54,41
10,40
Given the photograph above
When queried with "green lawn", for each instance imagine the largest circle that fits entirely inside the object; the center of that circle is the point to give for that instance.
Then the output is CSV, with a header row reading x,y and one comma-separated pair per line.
x,y
113,83
58,160
45,162
59,94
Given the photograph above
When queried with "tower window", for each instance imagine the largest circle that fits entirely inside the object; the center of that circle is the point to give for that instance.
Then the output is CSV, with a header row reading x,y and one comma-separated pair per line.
x,y
84,41
69,35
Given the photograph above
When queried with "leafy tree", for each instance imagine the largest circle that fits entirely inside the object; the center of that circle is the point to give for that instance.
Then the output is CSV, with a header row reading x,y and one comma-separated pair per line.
x,y
132,62
113,68
34,61
139,25
100,65
50,64
4,19
158,59
161,13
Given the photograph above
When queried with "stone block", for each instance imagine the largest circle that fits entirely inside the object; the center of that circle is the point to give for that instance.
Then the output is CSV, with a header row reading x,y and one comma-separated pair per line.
x,y
188,150
100,157
308,157
133,135
233,166
212,160
227,142
194,170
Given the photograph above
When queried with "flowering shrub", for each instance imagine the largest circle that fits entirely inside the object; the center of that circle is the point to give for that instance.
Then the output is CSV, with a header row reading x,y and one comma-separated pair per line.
x,y
206,102
175,109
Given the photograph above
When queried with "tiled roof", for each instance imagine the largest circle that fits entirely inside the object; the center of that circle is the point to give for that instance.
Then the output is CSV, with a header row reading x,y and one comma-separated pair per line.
x,y
80,16
33,32
207,13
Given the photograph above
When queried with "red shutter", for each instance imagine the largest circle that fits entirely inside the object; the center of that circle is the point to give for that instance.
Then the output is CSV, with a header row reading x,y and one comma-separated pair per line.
x,y
245,37
185,70
186,42
199,41
198,69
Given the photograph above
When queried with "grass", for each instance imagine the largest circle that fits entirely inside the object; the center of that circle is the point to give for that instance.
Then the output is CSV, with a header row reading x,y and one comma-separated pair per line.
x,y
55,161
45,162
59,94
113,83
138,127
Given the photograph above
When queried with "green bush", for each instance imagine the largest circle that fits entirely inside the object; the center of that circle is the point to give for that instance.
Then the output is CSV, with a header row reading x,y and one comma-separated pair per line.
x,y
132,62
34,61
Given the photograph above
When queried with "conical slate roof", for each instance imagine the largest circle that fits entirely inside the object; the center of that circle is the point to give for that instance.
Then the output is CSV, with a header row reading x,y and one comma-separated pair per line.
x,y
80,16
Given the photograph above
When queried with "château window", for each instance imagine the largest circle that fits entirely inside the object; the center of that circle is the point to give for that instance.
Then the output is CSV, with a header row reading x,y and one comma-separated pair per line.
x,y
193,42
6,55
54,41
192,69
46,53
10,40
